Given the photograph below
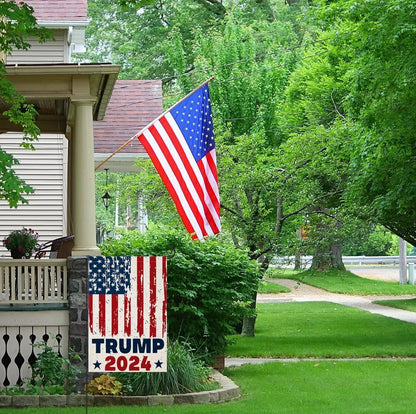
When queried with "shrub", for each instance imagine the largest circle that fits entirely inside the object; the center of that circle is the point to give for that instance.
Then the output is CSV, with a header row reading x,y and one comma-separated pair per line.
x,y
209,284
184,374
53,373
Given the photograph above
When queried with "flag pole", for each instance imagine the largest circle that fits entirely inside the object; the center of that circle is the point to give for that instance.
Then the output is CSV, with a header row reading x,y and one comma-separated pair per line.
x,y
160,116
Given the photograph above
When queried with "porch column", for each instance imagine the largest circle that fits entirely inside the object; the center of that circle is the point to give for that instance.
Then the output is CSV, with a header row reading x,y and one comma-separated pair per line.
x,y
83,180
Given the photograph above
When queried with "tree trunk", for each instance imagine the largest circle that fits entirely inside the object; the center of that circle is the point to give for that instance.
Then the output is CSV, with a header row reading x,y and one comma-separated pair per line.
x,y
328,258
249,322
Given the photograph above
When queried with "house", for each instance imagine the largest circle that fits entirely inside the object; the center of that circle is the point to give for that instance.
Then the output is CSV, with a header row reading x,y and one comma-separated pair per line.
x,y
71,100
132,106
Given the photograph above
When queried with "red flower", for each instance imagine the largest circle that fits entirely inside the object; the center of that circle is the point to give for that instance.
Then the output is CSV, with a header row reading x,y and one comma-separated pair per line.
x,y
20,248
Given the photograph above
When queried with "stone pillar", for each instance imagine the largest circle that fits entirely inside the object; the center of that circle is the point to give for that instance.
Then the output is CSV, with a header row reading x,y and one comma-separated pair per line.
x,y
78,312
83,180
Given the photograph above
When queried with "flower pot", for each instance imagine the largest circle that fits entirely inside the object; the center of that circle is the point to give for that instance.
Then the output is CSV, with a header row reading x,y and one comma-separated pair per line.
x,y
17,254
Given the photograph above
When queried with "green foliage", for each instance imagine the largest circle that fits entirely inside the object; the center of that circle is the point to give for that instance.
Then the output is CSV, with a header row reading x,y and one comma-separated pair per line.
x,y
379,242
209,283
141,36
184,374
359,77
104,385
52,372
16,25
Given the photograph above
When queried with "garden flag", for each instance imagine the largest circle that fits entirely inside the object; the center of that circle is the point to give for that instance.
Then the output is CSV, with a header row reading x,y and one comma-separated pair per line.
x,y
127,308
181,145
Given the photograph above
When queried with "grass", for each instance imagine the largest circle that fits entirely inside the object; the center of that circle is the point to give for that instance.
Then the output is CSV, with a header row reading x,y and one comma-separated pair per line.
x,y
308,387
406,304
338,281
324,330
292,388
269,287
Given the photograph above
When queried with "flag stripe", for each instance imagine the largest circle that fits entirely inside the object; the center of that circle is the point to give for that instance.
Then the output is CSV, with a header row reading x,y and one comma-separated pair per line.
x,y
101,314
114,315
152,288
140,304
165,301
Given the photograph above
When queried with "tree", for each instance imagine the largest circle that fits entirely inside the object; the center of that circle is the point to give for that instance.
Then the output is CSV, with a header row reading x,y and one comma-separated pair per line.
x,y
378,102
16,25
138,35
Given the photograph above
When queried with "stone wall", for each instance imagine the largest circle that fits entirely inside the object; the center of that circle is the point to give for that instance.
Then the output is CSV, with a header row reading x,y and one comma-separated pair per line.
x,y
78,312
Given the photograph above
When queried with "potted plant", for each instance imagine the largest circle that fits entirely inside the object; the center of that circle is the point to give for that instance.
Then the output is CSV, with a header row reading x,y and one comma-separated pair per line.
x,y
22,243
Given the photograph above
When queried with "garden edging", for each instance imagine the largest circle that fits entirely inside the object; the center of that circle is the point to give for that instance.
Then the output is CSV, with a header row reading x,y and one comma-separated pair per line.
x,y
228,391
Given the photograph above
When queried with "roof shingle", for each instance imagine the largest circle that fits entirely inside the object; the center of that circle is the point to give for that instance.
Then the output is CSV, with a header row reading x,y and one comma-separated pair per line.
x,y
133,105
59,10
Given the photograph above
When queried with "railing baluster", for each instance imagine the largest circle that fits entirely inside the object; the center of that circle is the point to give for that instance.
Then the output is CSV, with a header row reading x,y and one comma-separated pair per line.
x,y
26,275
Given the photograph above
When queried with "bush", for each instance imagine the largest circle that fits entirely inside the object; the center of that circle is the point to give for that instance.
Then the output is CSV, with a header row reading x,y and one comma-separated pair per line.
x,y
54,373
209,284
184,374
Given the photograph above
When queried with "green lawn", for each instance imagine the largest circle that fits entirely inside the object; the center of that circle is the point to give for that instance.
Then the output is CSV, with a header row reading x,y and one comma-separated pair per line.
x,y
293,388
406,304
323,330
317,330
344,282
269,287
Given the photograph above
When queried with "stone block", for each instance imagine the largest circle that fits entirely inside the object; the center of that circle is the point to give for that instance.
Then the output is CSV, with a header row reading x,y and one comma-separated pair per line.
x,y
160,399
78,400
52,400
135,400
192,398
5,400
107,400
21,401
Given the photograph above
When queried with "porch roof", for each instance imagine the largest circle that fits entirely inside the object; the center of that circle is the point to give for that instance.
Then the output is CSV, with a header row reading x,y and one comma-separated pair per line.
x,y
53,88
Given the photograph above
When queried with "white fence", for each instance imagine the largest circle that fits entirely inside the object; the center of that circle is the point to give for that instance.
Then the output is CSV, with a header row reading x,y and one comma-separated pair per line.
x,y
21,336
347,260
33,281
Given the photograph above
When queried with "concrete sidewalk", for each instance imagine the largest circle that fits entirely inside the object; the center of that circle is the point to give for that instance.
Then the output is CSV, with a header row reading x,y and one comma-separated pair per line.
x,y
299,292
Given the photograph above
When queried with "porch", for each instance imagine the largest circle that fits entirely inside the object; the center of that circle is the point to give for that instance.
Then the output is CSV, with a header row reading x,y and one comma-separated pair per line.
x,y
41,300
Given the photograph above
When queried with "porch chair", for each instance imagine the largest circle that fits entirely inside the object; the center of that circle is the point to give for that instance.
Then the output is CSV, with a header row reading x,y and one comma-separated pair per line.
x,y
59,248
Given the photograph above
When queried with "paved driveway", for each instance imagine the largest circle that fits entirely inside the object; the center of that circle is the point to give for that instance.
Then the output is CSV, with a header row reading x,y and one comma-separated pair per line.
x,y
389,273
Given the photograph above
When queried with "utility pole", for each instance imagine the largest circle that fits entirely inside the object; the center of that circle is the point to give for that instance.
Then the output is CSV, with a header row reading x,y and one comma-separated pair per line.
x,y
403,259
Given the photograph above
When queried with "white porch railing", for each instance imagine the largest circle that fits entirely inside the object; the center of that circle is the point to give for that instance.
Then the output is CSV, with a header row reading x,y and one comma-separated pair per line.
x,y
33,281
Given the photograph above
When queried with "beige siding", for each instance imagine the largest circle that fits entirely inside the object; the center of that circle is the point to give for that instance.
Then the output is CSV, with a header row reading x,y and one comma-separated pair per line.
x,y
52,51
45,169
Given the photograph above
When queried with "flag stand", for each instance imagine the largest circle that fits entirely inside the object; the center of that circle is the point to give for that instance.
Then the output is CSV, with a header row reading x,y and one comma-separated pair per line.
x,y
136,135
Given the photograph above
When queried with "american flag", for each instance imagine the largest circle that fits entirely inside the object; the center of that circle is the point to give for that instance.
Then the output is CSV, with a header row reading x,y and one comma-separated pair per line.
x,y
127,296
181,145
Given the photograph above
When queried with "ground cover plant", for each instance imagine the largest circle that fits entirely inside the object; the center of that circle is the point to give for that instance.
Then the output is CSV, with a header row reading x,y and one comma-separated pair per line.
x,y
406,304
324,330
343,281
